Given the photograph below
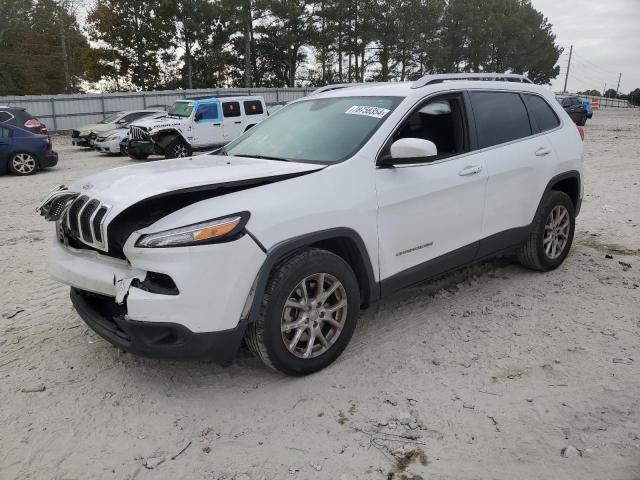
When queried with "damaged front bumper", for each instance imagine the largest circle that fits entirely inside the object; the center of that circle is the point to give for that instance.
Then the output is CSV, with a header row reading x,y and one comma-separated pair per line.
x,y
176,299
152,339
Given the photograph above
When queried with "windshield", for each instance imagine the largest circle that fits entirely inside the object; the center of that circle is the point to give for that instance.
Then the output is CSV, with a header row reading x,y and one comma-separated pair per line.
x,y
323,130
111,118
180,109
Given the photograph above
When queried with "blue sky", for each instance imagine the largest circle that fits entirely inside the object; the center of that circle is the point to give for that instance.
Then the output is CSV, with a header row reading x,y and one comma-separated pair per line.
x,y
606,40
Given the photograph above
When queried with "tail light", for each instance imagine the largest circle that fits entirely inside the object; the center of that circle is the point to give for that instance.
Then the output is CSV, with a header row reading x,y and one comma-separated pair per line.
x,y
32,123
581,130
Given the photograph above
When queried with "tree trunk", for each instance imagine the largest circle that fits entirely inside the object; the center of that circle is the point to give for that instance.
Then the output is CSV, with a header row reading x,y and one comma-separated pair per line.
x,y
248,20
187,57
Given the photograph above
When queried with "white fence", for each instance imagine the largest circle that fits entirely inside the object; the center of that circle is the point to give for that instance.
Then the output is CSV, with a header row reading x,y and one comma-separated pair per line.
x,y
66,112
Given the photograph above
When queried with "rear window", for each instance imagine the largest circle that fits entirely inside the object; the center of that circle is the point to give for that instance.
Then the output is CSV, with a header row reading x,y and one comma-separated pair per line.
x,y
542,114
253,107
231,109
501,117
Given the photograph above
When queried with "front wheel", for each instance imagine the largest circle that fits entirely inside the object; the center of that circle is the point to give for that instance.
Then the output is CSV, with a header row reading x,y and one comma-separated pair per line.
x,y
308,314
22,164
551,234
178,149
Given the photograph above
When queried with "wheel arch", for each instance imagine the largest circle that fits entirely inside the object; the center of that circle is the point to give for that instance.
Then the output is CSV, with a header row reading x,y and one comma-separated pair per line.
x,y
165,137
568,183
344,242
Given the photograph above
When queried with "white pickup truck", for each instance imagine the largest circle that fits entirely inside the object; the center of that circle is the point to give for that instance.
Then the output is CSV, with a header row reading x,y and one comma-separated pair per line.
x,y
195,124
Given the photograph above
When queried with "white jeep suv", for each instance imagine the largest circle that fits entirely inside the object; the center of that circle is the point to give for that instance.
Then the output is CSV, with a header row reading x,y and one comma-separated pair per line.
x,y
337,200
194,124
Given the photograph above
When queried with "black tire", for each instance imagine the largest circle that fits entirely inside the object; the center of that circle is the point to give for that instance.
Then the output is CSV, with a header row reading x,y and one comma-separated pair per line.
x,y
264,337
178,148
23,164
532,254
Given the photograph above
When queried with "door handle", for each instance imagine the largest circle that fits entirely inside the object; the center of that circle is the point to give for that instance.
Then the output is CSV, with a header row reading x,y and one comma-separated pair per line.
x,y
238,123
470,170
542,151
216,124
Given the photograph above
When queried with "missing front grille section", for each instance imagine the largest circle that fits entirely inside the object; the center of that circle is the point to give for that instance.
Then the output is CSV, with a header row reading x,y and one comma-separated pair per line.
x,y
157,283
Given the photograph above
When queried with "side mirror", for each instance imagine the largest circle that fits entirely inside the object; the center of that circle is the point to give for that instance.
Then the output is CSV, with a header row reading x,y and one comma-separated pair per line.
x,y
198,116
122,122
410,150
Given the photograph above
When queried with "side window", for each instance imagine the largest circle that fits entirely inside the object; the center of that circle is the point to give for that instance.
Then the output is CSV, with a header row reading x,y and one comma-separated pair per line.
x,y
440,120
231,109
543,115
253,107
5,132
501,117
4,116
208,111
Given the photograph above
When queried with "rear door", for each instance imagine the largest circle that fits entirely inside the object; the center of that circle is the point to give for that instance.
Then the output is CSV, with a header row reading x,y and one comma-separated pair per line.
x,y
254,112
233,124
428,210
518,161
5,148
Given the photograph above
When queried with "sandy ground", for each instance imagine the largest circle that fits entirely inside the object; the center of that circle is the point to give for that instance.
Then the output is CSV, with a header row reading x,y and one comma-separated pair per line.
x,y
493,372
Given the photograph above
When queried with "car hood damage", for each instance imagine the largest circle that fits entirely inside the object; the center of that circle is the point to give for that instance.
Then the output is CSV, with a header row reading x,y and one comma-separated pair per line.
x,y
126,186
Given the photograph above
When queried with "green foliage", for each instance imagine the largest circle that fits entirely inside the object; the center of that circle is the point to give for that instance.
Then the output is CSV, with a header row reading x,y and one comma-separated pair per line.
x,y
42,48
153,44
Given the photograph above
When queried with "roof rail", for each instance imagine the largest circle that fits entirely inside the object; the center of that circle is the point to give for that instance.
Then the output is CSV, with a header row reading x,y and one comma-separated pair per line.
x,y
337,86
222,95
443,77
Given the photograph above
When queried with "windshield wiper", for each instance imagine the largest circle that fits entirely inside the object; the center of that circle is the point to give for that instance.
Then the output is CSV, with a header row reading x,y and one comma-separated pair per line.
x,y
264,157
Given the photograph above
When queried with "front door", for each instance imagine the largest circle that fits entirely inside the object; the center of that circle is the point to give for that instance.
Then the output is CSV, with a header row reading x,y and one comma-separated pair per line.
x,y
430,214
207,124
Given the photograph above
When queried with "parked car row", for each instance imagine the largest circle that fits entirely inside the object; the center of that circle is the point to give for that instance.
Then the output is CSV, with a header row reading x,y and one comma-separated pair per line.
x,y
87,135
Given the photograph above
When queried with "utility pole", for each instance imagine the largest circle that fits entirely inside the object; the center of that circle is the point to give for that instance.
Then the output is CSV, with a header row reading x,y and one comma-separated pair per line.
x,y
618,87
566,77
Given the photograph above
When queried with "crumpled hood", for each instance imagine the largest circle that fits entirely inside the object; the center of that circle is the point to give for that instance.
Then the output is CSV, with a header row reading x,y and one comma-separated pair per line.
x,y
162,122
124,186
95,127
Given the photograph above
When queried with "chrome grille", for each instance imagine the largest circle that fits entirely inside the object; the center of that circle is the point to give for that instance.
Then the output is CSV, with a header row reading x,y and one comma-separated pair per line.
x,y
84,220
137,133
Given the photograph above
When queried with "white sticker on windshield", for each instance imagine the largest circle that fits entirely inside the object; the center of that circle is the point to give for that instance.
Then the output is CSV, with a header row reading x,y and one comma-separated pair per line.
x,y
375,112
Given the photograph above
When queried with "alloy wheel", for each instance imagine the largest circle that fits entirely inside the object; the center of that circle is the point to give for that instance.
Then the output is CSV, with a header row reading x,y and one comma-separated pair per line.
x,y
23,163
180,151
314,315
556,232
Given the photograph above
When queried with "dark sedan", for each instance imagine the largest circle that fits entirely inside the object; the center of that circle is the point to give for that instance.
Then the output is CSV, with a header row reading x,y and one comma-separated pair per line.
x,y
19,117
574,107
23,152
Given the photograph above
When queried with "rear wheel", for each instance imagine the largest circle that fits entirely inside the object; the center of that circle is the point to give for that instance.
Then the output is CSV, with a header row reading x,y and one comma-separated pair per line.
x,y
552,233
23,164
308,314
177,149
